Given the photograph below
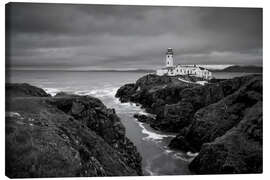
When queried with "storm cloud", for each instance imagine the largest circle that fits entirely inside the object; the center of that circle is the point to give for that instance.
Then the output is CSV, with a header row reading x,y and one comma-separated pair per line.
x,y
113,36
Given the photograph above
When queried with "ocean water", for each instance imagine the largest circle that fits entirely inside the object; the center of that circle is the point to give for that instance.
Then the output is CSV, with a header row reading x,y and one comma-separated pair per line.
x,y
152,145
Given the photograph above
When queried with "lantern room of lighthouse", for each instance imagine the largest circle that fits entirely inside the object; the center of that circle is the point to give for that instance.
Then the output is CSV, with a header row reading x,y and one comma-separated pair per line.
x,y
169,58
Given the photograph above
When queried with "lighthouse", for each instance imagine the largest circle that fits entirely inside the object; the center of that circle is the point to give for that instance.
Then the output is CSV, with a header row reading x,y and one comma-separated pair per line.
x,y
169,58
190,70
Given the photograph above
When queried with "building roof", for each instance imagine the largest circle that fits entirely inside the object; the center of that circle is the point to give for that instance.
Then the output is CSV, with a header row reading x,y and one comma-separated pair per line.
x,y
173,67
169,51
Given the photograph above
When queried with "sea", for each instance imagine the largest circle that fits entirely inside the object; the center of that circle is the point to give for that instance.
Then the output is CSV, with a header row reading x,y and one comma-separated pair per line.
x,y
157,158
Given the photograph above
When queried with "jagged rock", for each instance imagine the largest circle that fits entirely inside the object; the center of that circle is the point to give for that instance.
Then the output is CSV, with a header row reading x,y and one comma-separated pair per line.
x,y
24,90
216,119
176,116
239,150
125,92
143,118
65,136
158,94
222,120
179,142
62,94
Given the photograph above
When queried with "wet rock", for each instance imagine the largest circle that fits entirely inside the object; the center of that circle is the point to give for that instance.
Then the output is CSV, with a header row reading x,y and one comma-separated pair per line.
x,y
125,92
144,118
179,142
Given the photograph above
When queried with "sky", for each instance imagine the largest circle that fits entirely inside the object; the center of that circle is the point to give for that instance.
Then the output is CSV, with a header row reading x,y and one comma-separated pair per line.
x,y
129,37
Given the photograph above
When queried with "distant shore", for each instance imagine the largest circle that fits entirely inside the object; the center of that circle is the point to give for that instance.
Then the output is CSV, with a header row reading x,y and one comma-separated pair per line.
x,y
229,68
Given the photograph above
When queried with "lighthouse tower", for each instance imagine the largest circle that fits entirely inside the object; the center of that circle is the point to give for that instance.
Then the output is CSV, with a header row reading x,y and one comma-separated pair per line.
x,y
169,58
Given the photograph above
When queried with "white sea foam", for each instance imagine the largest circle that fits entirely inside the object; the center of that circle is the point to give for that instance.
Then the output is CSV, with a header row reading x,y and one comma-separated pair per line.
x,y
82,93
189,156
132,106
51,91
107,92
147,114
152,135
192,154
168,151
182,156
201,82
13,114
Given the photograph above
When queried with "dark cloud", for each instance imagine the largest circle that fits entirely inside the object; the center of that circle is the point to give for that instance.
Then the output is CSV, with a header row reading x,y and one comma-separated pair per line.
x,y
130,36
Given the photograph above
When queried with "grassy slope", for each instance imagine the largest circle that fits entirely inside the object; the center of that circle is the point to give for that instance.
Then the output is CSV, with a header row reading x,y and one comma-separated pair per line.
x,y
46,142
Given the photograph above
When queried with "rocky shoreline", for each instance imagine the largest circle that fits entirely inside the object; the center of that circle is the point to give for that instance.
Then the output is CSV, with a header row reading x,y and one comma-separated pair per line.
x,y
64,136
221,120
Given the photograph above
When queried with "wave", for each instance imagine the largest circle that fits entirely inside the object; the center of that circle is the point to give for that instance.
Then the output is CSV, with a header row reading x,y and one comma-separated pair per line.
x,y
152,135
100,92
82,93
14,114
107,92
52,91
168,151
182,156
130,104
192,154
147,114
201,82
188,157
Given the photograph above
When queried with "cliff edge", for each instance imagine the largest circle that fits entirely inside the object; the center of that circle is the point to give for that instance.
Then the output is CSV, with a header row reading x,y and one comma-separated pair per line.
x,y
64,136
222,120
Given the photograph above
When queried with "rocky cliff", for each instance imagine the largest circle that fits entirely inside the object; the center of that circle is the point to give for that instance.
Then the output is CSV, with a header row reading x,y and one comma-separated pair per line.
x,y
203,115
174,102
64,136
238,150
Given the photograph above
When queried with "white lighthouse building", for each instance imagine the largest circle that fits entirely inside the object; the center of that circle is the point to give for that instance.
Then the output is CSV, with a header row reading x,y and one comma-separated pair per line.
x,y
169,58
192,70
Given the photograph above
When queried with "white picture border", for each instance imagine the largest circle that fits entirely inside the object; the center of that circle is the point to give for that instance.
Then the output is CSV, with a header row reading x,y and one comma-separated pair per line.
x,y
212,3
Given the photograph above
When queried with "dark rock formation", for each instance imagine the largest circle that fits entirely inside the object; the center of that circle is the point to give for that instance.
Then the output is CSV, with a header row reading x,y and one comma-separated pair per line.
x,y
173,101
24,90
216,119
222,120
239,150
65,136
143,118
125,92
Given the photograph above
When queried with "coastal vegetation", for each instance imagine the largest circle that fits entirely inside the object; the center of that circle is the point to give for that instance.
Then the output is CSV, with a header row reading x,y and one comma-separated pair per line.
x,y
64,136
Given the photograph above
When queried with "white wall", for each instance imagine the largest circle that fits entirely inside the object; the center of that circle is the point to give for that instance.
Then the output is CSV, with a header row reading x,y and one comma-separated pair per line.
x,y
169,60
179,70
161,72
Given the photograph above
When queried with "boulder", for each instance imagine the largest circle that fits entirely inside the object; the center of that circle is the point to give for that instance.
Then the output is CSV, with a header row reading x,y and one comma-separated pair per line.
x,y
125,92
144,118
